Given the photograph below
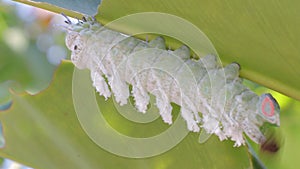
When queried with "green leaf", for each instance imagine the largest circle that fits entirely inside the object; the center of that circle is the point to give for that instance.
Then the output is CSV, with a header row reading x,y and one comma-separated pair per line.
x,y
88,7
262,36
257,164
22,66
42,132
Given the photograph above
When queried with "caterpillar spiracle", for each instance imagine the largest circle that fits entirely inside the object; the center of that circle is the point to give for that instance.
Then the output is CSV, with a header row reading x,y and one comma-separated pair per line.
x,y
211,97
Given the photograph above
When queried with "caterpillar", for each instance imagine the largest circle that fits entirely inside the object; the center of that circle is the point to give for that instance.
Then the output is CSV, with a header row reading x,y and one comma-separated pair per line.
x,y
211,97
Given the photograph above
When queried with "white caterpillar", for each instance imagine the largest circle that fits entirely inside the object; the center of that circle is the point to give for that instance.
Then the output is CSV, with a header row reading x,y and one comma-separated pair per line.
x,y
210,96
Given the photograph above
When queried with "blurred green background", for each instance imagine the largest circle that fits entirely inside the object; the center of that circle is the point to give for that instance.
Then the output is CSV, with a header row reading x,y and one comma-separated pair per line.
x,y
31,48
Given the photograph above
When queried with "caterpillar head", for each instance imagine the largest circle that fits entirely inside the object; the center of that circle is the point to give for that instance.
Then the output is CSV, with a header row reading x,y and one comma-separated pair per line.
x,y
269,109
76,39
76,43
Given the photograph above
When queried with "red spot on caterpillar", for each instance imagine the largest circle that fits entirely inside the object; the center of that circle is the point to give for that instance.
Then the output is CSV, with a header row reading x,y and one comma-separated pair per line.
x,y
265,102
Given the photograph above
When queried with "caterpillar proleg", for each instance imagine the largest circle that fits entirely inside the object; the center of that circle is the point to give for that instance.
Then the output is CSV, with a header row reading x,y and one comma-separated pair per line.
x,y
211,97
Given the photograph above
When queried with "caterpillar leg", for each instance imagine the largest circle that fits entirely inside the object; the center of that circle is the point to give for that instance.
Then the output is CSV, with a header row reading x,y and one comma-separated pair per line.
x,y
140,95
119,88
253,132
235,133
232,71
189,117
237,65
158,42
100,84
164,106
210,62
183,52
162,100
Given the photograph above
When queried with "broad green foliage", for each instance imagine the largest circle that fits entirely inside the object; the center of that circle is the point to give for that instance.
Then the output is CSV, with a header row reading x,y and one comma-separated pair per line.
x,y
88,7
50,132
22,66
262,36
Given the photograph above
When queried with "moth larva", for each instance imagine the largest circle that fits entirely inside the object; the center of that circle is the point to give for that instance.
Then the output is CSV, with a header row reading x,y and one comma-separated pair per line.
x,y
211,97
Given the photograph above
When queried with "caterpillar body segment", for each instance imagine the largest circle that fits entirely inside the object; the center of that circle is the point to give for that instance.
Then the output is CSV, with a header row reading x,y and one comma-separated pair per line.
x,y
211,97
